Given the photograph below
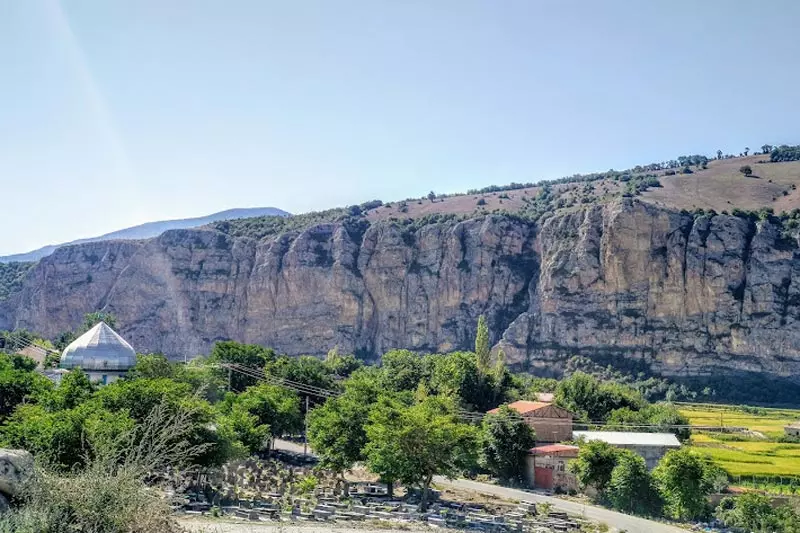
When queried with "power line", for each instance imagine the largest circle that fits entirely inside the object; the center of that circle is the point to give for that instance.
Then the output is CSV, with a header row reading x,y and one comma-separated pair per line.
x,y
472,416
20,343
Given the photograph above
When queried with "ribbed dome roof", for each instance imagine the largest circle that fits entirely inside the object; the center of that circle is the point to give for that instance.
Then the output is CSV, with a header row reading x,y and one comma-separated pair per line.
x,y
100,348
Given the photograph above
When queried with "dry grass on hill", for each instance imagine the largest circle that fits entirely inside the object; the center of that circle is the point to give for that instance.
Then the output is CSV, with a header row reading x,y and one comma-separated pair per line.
x,y
722,187
463,204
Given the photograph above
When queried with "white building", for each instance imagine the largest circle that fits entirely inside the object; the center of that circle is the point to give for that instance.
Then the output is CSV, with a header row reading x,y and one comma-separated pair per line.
x,y
101,353
650,446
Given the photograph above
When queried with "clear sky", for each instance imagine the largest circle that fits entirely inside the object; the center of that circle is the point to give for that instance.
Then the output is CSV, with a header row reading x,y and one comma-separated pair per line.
x,y
116,112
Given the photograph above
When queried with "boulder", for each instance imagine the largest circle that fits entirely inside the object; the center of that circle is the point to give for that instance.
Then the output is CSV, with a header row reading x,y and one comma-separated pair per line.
x,y
15,467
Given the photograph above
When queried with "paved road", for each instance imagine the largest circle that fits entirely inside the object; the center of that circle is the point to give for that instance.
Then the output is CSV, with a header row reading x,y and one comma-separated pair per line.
x,y
631,524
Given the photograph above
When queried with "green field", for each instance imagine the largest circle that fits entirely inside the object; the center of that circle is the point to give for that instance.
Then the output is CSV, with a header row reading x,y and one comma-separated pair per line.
x,y
768,421
754,455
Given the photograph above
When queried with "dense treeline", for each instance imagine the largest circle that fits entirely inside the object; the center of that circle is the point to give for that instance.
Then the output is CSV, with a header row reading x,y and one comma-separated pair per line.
x,y
785,153
435,398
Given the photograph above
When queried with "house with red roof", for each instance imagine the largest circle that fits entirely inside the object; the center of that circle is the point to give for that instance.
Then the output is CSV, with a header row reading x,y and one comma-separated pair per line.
x,y
551,423
547,467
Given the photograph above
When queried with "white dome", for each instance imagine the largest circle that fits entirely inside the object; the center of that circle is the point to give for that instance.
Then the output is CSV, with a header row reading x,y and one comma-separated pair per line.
x,y
100,348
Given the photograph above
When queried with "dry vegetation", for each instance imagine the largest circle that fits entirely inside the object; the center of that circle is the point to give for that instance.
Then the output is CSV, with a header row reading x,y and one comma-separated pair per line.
x,y
722,187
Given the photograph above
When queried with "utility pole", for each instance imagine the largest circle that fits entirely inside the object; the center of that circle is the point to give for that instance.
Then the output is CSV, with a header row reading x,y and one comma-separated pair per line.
x,y
305,433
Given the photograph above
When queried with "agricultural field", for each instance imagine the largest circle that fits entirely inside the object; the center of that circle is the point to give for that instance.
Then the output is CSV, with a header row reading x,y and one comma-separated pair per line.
x,y
767,421
756,457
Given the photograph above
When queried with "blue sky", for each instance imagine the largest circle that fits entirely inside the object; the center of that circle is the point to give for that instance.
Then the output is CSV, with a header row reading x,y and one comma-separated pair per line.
x,y
114,113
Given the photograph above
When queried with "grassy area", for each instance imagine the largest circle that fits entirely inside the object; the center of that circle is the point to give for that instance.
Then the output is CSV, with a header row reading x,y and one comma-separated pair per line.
x,y
770,422
722,187
749,459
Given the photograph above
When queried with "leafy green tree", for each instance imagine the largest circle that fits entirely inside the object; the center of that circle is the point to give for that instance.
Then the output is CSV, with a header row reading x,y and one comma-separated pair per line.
x,y
152,366
90,320
74,389
140,396
249,355
499,370
586,396
719,154
660,417
59,438
403,370
746,151
595,464
242,427
336,431
203,378
306,370
631,489
273,406
755,512
341,366
456,375
19,383
413,444
766,148
684,483
482,347
431,196
64,339
746,170
505,441
365,384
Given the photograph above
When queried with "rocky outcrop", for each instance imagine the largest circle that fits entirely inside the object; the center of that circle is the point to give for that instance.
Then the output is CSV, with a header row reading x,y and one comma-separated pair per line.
x,y
660,290
15,468
674,294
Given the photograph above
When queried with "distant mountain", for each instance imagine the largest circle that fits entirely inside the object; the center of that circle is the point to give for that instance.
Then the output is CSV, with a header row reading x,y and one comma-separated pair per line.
x,y
151,229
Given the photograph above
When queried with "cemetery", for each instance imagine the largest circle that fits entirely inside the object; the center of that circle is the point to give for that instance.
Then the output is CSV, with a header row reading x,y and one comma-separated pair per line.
x,y
288,488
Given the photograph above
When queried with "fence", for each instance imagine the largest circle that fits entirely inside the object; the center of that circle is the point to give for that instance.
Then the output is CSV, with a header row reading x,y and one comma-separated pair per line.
x,y
771,484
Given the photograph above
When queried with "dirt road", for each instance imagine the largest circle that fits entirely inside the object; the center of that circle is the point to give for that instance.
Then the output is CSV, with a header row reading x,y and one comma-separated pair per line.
x,y
632,524
620,521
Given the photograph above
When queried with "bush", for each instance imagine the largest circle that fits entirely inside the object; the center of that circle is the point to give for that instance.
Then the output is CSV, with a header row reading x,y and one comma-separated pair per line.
x,y
481,201
109,495
746,170
631,488
785,153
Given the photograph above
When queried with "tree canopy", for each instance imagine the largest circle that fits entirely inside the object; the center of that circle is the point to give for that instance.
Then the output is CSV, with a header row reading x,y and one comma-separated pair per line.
x,y
414,443
505,442
685,481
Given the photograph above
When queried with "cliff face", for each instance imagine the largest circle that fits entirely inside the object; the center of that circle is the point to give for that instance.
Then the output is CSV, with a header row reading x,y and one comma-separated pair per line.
x,y
679,295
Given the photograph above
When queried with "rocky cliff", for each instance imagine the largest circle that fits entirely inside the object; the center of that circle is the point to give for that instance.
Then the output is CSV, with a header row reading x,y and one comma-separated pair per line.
x,y
661,290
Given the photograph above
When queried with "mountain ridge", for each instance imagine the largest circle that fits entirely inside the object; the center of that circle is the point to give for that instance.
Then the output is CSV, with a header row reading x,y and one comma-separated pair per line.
x,y
149,230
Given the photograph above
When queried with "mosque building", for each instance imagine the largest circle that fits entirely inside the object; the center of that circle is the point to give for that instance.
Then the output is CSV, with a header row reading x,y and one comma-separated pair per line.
x,y
101,353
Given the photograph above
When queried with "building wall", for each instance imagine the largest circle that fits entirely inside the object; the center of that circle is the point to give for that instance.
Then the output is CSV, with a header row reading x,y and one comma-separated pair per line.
x,y
551,429
562,478
651,454
104,378
792,432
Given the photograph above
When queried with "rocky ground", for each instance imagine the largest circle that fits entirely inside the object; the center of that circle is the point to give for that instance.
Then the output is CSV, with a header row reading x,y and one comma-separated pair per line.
x,y
212,525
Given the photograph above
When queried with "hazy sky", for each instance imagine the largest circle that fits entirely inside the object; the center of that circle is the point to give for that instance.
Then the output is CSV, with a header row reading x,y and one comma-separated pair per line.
x,y
113,112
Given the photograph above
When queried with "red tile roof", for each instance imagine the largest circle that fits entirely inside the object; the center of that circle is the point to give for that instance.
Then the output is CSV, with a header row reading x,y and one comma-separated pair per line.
x,y
555,449
524,406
